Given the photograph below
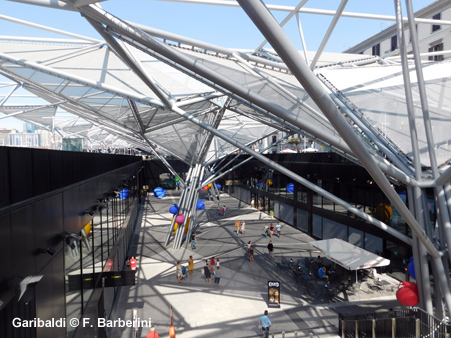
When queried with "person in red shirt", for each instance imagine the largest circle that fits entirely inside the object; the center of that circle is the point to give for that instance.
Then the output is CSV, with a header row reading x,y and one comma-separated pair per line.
x,y
213,262
152,333
133,263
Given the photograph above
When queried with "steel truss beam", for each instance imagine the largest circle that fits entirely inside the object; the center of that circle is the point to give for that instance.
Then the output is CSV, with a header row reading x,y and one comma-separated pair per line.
x,y
185,64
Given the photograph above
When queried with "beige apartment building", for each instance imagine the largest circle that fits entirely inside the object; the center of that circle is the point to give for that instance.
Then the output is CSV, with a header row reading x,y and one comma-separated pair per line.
x,y
434,37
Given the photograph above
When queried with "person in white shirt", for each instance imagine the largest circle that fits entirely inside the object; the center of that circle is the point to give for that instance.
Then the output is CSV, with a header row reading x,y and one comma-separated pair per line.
x,y
278,228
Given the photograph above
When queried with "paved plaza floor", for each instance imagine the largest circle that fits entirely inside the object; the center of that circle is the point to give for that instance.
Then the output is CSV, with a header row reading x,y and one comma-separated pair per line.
x,y
233,309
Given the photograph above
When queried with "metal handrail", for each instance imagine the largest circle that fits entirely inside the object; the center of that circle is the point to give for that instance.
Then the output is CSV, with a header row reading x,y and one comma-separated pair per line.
x,y
413,322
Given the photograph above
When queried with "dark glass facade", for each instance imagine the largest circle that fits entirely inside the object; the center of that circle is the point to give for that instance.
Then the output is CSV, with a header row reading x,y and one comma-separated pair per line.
x,y
318,216
64,233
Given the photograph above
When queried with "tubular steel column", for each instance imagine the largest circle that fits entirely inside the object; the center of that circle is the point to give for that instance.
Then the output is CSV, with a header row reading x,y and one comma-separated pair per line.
x,y
183,202
416,206
191,207
186,205
420,262
184,190
420,207
444,221
328,33
193,212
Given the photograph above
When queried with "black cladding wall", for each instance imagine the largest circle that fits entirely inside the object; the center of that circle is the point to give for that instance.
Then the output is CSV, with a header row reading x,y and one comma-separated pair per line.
x,y
43,193
26,172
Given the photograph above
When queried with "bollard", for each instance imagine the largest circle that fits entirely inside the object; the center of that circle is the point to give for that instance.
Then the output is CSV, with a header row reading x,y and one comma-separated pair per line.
x,y
374,328
295,334
272,335
417,328
283,334
343,324
356,329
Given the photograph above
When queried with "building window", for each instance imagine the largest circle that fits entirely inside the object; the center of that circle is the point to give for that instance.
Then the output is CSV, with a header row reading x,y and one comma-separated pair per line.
x,y
377,50
436,17
394,43
436,48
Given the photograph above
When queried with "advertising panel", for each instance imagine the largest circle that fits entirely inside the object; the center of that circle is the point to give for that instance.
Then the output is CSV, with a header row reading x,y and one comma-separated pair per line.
x,y
273,294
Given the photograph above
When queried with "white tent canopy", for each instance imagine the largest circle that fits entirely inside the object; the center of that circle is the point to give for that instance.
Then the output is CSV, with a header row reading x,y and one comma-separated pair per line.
x,y
348,255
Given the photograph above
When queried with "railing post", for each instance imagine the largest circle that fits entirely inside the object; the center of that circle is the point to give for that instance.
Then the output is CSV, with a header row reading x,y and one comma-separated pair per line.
x,y
417,328
393,328
373,328
343,324
356,329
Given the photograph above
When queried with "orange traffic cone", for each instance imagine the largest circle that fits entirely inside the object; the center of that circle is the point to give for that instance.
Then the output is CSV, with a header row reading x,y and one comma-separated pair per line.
x,y
172,328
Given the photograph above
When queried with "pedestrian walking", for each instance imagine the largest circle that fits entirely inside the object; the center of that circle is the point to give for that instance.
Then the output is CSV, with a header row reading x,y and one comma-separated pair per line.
x,y
217,276
278,228
133,263
265,230
179,272
207,272
219,210
193,241
217,262
223,210
212,262
271,230
251,253
265,323
152,333
237,227
243,228
270,250
191,266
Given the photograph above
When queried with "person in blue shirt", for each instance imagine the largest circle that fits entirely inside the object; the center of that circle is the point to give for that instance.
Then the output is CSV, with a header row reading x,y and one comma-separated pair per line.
x,y
265,322
322,273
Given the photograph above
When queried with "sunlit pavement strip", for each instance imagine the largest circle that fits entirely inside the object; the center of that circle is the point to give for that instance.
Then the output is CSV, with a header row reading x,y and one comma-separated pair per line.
x,y
233,309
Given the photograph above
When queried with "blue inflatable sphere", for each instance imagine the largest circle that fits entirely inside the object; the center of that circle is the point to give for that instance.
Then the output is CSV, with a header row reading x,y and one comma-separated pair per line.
x,y
259,185
218,186
290,188
159,192
212,171
124,194
174,209
411,268
200,205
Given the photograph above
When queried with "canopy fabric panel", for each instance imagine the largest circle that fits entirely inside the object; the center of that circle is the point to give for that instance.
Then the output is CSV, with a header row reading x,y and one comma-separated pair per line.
x,y
380,95
348,255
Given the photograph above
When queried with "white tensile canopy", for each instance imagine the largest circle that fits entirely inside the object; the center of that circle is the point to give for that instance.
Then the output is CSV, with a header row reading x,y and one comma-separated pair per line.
x,y
349,256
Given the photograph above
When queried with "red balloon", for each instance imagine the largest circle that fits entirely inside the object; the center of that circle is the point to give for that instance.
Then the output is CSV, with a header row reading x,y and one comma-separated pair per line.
x,y
406,296
206,187
410,285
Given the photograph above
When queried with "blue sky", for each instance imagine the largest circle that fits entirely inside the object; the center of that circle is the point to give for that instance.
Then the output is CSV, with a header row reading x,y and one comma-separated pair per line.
x,y
227,27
